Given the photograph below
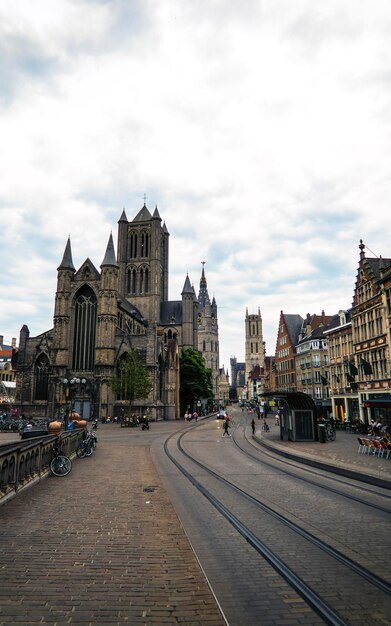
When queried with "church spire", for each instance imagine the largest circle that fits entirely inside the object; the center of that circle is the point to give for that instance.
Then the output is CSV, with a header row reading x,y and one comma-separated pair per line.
x,y
67,262
203,296
187,288
110,254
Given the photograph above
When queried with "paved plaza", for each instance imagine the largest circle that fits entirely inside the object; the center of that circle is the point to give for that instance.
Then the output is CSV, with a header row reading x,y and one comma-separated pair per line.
x,y
104,545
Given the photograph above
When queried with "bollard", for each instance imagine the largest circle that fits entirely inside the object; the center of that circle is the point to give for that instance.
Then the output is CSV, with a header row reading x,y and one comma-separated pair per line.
x,y
322,433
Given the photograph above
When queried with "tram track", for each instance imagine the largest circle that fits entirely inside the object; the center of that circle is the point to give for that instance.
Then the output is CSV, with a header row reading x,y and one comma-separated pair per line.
x,y
314,599
330,478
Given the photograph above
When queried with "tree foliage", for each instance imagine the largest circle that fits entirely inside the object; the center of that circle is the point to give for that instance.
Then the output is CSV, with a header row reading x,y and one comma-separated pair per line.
x,y
132,381
196,379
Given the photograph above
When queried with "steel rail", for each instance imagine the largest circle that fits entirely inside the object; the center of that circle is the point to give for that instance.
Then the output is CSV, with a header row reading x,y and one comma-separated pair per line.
x,y
372,578
313,482
309,595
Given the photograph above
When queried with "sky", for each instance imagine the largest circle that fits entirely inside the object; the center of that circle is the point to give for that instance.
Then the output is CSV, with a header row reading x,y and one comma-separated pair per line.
x,y
261,130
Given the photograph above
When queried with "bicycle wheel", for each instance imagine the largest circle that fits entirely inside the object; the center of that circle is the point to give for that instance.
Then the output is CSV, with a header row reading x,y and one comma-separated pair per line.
x,y
89,448
61,465
81,451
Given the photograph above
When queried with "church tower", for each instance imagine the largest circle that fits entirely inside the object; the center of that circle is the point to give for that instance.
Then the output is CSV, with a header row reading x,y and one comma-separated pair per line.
x,y
107,309
143,262
62,306
208,331
255,353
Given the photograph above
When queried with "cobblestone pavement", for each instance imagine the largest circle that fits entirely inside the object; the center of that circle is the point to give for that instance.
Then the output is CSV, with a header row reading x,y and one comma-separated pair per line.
x,y
342,453
101,546
104,545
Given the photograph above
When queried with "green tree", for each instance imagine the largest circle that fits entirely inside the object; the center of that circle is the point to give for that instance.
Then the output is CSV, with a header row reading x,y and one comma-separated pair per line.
x,y
196,379
132,381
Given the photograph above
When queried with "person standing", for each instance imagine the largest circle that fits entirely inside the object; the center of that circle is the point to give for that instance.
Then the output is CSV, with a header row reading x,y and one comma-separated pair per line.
x,y
253,426
226,426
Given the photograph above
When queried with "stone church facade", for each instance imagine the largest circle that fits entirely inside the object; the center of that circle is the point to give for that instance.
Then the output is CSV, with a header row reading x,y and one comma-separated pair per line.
x,y
100,315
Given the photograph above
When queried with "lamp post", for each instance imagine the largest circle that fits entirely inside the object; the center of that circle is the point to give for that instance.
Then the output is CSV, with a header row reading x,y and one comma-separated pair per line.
x,y
71,387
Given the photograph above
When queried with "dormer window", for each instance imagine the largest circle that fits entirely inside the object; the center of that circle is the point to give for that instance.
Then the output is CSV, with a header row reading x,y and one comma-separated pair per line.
x,y
342,318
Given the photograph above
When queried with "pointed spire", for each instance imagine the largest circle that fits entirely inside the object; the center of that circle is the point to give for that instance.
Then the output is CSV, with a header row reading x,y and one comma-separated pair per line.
x,y
156,214
165,230
203,296
67,262
123,217
187,288
110,254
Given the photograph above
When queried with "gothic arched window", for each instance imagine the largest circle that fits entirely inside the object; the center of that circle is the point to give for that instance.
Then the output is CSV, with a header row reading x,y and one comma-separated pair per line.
x,y
131,281
132,245
41,378
144,244
84,330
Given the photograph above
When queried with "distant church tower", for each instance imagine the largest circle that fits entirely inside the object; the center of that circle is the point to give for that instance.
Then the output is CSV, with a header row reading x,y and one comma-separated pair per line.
x,y
208,331
255,353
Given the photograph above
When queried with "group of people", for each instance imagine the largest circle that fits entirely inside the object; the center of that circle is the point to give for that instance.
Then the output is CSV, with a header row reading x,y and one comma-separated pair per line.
x,y
191,416
376,427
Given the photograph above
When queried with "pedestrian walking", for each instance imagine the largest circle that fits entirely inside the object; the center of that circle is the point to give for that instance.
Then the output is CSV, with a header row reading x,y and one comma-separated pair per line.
x,y
226,426
253,425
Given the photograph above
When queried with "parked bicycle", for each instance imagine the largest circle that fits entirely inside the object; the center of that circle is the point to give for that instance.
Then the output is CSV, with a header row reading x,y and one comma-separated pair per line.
x,y
60,465
87,446
330,432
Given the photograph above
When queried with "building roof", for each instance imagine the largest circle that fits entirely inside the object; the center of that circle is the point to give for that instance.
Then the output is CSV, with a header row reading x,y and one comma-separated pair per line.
x,y
293,325
335,322
171,312
132,310
376,266
143,215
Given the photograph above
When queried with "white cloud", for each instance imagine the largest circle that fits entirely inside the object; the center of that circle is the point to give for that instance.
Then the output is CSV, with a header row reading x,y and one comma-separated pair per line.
x,y
262,132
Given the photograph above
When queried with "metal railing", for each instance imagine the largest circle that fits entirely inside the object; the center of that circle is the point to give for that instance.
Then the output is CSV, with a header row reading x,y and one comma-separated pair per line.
x,y
23,463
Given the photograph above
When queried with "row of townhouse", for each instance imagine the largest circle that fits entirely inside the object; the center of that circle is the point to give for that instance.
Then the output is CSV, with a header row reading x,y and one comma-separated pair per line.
x,y
343,361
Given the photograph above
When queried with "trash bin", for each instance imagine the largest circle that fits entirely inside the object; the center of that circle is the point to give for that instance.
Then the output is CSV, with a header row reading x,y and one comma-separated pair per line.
x,y
322,433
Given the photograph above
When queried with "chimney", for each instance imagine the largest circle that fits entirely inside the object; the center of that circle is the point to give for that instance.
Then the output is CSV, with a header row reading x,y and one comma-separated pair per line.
x,y
308,325
13,342
1,340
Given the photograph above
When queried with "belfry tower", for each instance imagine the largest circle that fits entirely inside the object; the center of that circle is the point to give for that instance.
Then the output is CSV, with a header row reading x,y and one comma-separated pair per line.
x,y
255,353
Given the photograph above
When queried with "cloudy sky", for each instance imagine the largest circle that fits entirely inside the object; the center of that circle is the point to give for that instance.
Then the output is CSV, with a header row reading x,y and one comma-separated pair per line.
x,y
261,129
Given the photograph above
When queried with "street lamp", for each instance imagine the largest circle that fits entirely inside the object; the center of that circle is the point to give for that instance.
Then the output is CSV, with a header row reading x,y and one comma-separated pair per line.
x,y
71,387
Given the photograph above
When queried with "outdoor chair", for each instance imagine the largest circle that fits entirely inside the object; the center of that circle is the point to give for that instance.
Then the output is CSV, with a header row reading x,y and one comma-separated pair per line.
x,y
361,445
368,446
380,447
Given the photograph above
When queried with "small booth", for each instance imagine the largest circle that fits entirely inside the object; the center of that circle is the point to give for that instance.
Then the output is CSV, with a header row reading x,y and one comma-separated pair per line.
x,y
298,416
